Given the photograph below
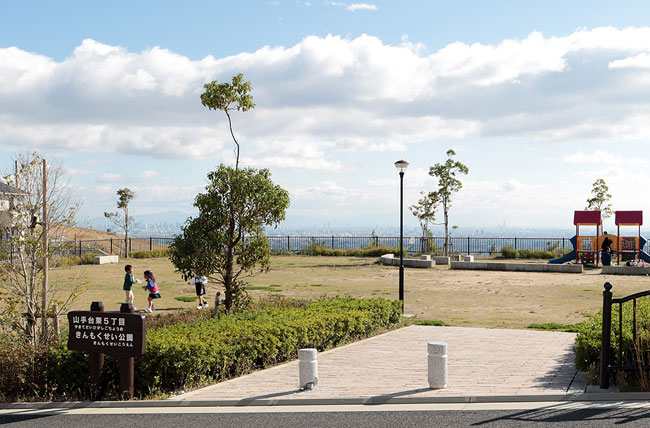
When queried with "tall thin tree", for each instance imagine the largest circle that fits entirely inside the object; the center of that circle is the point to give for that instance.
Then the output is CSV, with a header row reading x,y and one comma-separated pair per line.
x,y
448,184
123,220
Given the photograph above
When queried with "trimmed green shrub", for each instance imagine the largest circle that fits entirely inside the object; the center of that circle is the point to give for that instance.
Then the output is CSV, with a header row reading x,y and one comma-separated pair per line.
x,y
511,253
352,252
85,259
588,341
149,254
186,350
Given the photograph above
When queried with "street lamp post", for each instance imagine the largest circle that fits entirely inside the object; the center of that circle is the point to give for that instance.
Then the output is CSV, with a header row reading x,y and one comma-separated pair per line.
x,y
401,165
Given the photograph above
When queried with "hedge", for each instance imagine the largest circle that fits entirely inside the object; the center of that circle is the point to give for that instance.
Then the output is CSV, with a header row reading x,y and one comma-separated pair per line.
x,y
320,250
511,253
149,254
189,354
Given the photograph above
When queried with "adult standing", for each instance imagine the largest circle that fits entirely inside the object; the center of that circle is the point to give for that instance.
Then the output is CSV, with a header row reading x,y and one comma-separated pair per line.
x,y
606,250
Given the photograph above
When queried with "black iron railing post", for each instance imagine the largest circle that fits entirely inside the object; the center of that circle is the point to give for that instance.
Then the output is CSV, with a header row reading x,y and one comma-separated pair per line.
x,y
606,336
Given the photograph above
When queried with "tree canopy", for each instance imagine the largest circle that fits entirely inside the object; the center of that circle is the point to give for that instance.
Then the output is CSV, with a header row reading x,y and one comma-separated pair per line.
x,y
600,197
228,97
226,241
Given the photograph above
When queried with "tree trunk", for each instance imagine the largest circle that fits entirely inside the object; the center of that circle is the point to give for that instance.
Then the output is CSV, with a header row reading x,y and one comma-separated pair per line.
x,y
126,233
446,231
227,279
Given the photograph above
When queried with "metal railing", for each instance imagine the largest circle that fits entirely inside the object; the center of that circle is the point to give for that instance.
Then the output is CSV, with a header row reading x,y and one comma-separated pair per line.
x,y
303,244
605,351
464,245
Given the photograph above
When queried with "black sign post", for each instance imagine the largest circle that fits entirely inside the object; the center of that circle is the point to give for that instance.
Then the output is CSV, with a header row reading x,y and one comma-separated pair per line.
x,y
96,358
120,334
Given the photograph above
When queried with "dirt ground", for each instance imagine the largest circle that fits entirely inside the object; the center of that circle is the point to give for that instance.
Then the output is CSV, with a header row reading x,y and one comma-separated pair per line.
x,y
459,298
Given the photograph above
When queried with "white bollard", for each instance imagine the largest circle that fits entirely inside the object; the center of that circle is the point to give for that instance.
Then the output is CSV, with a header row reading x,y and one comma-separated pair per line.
x,y
437,364
308,367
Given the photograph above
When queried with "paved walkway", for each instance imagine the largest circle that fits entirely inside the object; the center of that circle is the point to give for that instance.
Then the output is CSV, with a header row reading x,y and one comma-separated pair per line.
x,y
481,362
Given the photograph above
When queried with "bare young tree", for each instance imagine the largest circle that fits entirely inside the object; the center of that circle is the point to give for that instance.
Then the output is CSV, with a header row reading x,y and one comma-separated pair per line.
x,y
40,209
123,220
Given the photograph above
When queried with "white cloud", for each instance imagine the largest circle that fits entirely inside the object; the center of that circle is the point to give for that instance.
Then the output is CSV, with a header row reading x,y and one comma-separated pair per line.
x,y
387,147
352,7
361,6
340,95
331,192
601,157
641,60
109,178
147,175
74,171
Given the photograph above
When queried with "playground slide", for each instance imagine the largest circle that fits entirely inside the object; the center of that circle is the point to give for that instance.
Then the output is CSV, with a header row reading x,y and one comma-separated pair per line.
x,y
567,257
644,256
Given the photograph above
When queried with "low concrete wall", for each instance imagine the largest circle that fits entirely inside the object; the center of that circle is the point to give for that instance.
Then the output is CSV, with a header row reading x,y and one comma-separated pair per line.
x,y
625,270
441,260
422,262
517,267
103,260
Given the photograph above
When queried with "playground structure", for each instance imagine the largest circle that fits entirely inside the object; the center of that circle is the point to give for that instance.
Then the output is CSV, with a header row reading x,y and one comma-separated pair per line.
x,y
586,248
630,248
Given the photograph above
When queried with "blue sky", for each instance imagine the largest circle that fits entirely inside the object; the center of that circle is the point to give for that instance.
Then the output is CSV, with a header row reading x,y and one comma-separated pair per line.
x,y
537,98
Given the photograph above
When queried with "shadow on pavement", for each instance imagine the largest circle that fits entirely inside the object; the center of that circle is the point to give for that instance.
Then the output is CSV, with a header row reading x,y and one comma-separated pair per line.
x,y
550,414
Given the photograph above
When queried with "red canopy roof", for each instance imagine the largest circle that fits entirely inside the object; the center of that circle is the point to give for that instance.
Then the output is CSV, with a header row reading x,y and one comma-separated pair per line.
x,y
629,217
587,218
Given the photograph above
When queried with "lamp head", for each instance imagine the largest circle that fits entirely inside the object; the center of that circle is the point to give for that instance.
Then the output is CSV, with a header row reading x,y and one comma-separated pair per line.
x,y
401,165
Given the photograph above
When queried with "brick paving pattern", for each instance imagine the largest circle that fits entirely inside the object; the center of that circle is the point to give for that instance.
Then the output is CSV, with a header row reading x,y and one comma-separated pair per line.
x,y
481,362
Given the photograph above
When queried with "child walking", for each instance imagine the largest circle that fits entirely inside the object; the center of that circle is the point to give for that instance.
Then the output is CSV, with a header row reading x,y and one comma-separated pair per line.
x,y
152,287
199,286
129,280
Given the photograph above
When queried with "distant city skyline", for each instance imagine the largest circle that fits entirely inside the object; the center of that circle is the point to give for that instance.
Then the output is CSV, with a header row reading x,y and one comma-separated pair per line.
x,y
537,98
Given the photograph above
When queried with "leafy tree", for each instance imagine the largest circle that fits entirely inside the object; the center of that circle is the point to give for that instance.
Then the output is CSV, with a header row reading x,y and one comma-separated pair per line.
x,y
123,220
448,184
226,242
227,97
25,289
599,199
425,212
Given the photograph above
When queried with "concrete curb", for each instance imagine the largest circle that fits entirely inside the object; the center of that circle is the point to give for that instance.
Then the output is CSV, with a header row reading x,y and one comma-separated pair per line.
x,y
586,397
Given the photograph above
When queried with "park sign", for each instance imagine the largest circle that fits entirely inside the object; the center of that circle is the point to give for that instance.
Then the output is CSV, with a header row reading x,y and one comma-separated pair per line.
x,y
113,333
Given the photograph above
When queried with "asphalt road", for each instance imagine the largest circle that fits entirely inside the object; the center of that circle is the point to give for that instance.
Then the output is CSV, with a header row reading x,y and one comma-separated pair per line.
x,y
565,416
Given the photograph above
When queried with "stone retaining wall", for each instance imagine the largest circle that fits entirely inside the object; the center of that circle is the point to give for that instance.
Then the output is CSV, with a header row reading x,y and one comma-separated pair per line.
x,y
625,270
422,262
517,267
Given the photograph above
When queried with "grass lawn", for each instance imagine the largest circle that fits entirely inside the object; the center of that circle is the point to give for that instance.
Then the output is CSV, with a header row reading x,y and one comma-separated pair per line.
x,y
461,298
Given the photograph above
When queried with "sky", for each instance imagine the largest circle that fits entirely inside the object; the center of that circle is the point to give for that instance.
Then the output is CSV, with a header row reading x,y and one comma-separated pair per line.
x,y
538,99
